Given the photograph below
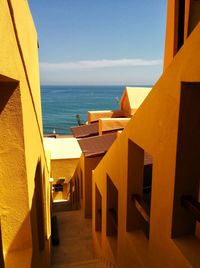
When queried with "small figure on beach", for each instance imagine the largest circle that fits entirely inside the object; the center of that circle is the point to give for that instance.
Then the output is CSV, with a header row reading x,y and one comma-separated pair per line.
x,y
54,131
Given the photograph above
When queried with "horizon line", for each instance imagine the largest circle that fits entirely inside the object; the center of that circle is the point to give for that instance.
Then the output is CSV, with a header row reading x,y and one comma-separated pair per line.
x,y
92,85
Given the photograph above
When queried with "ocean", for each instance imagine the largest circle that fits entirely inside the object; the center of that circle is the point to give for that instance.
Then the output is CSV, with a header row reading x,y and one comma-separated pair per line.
x,y
61,104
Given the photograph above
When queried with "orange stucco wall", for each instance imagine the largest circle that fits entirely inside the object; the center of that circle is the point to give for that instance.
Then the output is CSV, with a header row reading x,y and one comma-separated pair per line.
x,y
192,17
154,128
90,164
109,124
84,170
96,115
171,32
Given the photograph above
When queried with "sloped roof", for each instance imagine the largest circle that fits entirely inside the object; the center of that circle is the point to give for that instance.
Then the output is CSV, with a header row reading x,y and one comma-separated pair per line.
x,y
85,130
132,98
98,145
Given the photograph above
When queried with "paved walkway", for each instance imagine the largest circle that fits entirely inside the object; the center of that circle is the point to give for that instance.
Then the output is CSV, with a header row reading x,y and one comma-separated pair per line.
x,y
75,248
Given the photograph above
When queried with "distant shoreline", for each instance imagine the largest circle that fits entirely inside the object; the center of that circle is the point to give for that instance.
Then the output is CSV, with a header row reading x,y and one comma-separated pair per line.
x,y
96,85
61,104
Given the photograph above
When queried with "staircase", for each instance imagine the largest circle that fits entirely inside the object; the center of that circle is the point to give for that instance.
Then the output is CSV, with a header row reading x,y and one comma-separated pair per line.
x,y
75,247
61,206
84,264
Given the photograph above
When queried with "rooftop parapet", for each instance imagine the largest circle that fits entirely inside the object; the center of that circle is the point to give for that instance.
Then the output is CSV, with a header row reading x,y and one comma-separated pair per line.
x,y
93,116
112,124
130,101
132,98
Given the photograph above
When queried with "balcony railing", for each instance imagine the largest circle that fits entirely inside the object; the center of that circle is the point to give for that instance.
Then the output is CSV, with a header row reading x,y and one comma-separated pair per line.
x,y
114,216
143,207
146,189
192,206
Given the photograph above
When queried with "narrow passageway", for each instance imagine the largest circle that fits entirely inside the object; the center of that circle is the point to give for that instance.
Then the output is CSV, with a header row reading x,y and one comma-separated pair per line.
x,y
75,247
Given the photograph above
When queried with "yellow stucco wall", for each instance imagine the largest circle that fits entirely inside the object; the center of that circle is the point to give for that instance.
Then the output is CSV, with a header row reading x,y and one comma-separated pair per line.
x,y
154,128
132,98
90,164
22,150
63,168
84,169
48,159
80,174
95,115
109,124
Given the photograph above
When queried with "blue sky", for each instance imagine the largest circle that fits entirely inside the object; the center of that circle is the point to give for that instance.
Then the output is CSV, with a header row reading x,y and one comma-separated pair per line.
x,y
100,42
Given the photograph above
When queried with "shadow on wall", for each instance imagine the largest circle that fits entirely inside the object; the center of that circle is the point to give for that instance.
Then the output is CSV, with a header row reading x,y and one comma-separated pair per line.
x,y
1,250
6,91
35,222
37,218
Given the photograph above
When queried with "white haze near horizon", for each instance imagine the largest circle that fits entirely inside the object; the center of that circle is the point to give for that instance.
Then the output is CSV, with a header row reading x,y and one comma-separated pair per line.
x,y
102,72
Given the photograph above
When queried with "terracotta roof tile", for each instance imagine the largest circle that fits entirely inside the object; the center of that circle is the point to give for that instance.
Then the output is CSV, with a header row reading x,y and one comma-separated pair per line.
x,y
98,145
85,130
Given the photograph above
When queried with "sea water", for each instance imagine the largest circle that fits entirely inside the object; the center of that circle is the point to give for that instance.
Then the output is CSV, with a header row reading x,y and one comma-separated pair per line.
x,y
61,104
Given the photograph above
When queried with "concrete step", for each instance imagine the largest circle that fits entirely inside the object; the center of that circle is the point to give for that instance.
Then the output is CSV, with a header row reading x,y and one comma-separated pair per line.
x,y
75,248
61,206
94,263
